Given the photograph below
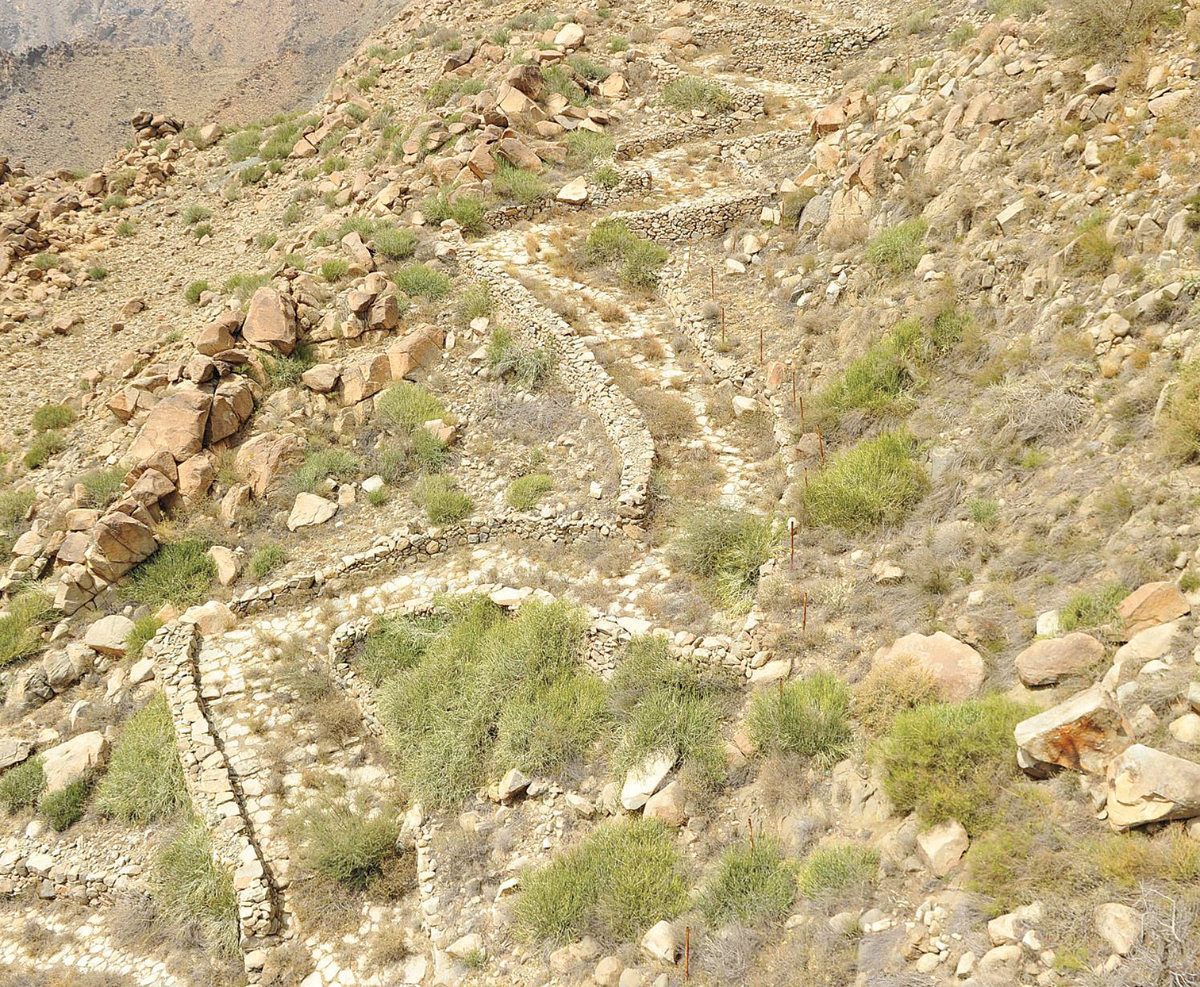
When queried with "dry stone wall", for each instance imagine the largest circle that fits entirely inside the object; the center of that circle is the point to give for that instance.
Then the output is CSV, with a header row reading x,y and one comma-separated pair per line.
x,y
708,216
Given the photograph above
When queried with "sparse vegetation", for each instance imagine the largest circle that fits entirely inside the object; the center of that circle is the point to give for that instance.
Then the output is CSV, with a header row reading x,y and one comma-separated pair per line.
x,y
179,572
752,883
144,780
950,760
345,843
194,290
443,502
1109,29
266,559
406,406
837,870
875,482
395,244
688,93
43,446
525,491
726,548
524,366
52,416
638,261
191,891
65,807
21,785
321,464
518,184
144,628
1179,423
899,248
20,627
808,716
619,881
421,281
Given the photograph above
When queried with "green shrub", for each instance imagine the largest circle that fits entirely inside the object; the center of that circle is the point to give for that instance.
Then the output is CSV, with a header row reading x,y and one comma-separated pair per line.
x,y
44,445
873,382
1179,422
190,890
516,184
752,883
14,506
47,262
585,146
242,144
20,628
123,180
144,628
643,261
406,406
470,213
607,241
873,483
623,878
52,417
396,644
662,705
1092,252
115,201
420,281
66,806
476,692
335,269
899,248
510,360
726,548
319,464
179,573
589,70
125,228
443,503
951,760
103,486
525,491
244,285
837,870
1109,30
688,93
20,786
611,240
618,43
558,79
606,176
889,687
97,273
194,214
194,290
1092,610
395,244
144,780
286,371
474,302
344,844
808,716
265,559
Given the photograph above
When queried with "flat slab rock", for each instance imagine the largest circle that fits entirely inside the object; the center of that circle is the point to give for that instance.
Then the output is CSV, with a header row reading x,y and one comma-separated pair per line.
x,y
1045,662
1145,786
1082,733
956,668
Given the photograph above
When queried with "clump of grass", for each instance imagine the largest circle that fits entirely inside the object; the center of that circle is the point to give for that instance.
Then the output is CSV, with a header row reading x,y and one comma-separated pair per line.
x,y
875,482
688,93
487,692
395,244
320,464
752,883
837,870
469,212
286,371
20,628
191,891
558,79
638,261
606,176
898,249
524,366
474,302
194,290
585,146
1109,29
47,262
21,785
396,644
442,501
144,628
114,201
619,881
335,269
97,273
517,184
951,760
1092,610
52,417
194,214
525,491
242,286
265,559
125,228
406,406
889,688
345,844
809,717
66,806
179,573
1092,252
14,506
43,446
242,144
144,780
421,281
102,486
725,547
663,706
1179,423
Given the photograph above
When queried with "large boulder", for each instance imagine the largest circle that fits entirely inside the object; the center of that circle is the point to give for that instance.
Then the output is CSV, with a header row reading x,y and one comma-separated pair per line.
x,y
1118,925
310,510
119,542
1045,662
419,349
261,459
1150,605
956,668
270,323
1082,733
643,780
71,761
13,751
943,846
176,424
108,635
232,406
1146,786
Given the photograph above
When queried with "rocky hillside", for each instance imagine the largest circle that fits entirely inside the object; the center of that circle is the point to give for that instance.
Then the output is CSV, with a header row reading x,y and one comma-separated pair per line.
x,y
73,74
618,496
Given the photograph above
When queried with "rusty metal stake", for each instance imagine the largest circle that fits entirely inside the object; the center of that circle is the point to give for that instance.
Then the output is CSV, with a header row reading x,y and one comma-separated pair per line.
x,y
821,443
750,823
804,615
791,544
802,411
687,953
